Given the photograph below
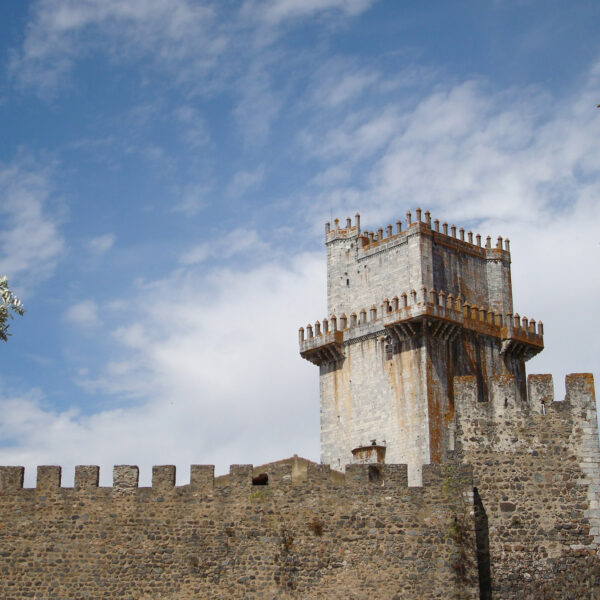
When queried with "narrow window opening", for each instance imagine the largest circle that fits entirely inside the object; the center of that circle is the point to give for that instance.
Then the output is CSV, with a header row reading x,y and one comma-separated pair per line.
x,y
389,348
543,407
347,282
261,479
505,402
374,474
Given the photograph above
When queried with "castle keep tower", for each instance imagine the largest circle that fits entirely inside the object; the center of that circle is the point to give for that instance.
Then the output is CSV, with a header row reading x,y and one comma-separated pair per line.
x,y
410,309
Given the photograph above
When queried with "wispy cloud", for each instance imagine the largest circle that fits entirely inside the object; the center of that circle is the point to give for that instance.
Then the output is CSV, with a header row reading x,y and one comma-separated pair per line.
x,y
31,242
340,80
192,199
101,244
188,38
274,12
61,32
360,135
475,152
259,103
193,126
243,181
235,242
83,314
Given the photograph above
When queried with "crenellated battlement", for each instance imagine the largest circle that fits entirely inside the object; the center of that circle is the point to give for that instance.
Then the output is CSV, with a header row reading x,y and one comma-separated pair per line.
x,y
403,317
243,535
241,479
508,420
449,235
504,399
348,232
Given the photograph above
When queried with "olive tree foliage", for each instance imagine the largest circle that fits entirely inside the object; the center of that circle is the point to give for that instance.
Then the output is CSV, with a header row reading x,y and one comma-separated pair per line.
x,y
9,304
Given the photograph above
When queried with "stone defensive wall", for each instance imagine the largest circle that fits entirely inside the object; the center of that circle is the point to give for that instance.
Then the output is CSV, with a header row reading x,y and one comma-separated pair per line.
x,y
402,316
536,485
256,537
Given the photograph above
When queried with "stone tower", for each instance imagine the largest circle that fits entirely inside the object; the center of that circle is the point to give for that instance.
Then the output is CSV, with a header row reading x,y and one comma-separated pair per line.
x,y
409,309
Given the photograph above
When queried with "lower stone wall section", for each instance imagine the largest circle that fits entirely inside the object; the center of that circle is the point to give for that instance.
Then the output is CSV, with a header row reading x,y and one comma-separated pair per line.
x,y
373,537
536,480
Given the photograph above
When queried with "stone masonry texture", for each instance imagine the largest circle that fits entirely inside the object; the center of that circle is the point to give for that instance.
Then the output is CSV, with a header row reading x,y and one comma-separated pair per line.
x,y
373,537
536,477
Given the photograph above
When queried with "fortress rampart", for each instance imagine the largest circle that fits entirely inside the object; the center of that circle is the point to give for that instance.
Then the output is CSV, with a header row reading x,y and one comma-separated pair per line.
x,y
373,537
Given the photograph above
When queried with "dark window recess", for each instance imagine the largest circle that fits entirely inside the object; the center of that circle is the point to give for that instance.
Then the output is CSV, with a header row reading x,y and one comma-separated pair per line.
x,y
374,474
389,348
261,479
347,282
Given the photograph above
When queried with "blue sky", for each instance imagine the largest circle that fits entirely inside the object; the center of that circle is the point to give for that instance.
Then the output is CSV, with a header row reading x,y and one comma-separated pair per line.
x,y
166,169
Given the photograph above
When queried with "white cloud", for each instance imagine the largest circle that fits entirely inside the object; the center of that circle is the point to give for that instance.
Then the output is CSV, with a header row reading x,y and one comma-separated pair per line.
x,y
196,42
274,12
359,136
102,243
350,86
259,103
238,241
30,239
244,181
197,254
83,314
60,32
192,199
475,152
214,363
340,80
